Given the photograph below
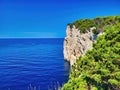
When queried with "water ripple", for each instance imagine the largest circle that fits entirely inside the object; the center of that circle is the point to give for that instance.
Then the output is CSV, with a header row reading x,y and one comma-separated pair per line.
x,y
31,61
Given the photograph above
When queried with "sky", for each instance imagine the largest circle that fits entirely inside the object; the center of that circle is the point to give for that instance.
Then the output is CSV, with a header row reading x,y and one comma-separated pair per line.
x,y
49,18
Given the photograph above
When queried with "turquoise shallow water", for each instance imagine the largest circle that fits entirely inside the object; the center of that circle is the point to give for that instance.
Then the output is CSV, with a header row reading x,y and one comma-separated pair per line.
x,y
26,63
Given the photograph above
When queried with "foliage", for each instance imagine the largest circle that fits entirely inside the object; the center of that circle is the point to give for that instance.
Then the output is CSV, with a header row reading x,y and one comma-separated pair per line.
x,y
99,69
98,22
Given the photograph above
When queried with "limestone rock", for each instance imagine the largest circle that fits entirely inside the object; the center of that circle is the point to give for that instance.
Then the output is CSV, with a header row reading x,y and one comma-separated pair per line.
x,y
76,44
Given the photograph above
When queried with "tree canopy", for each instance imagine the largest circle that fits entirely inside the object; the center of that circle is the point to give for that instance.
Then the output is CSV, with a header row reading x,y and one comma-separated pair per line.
x,y
99,22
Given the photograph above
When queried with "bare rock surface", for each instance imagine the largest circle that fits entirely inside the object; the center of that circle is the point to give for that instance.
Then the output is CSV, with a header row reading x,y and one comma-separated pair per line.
x,y
76,44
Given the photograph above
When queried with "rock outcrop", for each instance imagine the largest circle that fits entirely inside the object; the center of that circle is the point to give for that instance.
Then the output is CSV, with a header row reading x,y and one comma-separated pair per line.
x,y
76,44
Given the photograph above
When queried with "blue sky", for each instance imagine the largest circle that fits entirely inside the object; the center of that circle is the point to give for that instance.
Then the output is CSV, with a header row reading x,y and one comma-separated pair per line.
x,y
48,18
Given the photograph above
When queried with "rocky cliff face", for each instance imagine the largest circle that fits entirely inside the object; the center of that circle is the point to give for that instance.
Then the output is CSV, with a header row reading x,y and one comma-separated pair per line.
x,y
76,44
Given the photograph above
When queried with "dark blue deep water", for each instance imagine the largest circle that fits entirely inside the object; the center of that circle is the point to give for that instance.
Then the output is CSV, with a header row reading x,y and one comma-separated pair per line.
x,y
32,64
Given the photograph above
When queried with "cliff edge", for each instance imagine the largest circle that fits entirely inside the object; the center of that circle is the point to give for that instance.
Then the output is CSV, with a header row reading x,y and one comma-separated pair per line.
x,y
76,44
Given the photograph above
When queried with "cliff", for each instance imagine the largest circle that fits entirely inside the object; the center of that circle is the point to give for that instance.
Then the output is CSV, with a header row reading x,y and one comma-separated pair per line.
x,y
98,68
79,35
76,44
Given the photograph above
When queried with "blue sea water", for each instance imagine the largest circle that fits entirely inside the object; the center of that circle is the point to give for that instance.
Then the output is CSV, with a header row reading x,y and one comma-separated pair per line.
x,y
32,64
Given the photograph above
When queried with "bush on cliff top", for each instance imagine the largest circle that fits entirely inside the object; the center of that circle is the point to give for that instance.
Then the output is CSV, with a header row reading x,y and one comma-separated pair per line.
x,y
99,23
99,69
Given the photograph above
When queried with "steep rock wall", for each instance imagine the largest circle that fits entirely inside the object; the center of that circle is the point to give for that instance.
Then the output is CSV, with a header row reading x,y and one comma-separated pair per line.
x,y
76,44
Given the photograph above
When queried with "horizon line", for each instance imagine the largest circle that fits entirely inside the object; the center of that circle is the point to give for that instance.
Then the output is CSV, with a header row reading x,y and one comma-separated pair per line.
x,y
31,38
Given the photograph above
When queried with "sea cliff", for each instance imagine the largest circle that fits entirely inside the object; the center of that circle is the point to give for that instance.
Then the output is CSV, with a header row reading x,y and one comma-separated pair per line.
x,y
95,62
76,44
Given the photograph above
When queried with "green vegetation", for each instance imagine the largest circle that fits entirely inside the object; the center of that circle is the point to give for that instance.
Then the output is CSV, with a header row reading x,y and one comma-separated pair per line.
x,y
99,69
100,23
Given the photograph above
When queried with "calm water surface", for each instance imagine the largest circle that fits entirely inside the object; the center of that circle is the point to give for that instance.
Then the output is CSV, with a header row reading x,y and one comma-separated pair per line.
x,y
28,63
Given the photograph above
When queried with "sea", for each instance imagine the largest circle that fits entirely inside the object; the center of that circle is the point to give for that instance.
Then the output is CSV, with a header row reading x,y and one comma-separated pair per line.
x,y
32,64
